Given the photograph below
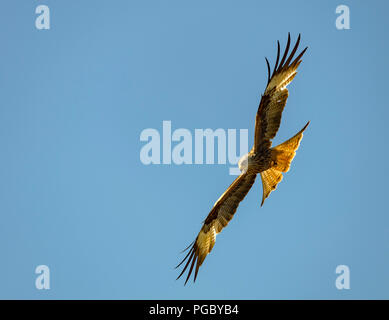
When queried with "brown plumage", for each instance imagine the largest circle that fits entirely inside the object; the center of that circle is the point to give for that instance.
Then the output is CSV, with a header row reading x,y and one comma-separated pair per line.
x,y
269,162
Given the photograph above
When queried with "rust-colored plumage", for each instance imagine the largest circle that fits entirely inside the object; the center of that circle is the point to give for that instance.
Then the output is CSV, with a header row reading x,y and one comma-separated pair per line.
x,y
269,162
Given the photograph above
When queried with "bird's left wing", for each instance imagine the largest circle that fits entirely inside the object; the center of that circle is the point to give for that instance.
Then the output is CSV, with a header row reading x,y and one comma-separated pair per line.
x,y
273,100
221,213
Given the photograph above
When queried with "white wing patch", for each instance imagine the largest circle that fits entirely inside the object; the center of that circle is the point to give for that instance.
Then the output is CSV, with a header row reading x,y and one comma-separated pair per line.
x,y
280,81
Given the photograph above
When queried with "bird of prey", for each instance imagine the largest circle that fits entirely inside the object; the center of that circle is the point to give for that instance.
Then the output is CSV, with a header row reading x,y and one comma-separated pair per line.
x,y
262,159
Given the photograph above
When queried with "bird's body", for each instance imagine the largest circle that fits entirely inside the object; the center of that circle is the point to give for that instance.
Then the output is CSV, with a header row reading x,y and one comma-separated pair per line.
x,y
263,159
256,162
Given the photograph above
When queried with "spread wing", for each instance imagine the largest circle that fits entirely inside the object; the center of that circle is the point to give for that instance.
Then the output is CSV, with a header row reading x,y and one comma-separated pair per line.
x,y
273,101
221,213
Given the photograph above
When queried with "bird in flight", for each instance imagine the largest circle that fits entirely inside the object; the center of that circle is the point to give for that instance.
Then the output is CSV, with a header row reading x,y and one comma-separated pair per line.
x,y
262,159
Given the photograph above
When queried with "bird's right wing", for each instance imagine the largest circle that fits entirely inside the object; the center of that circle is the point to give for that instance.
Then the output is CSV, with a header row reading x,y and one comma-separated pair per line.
x,y
221,213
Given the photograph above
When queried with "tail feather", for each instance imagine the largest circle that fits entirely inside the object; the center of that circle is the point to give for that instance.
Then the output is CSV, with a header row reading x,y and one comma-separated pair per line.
x,y
282,156
270,178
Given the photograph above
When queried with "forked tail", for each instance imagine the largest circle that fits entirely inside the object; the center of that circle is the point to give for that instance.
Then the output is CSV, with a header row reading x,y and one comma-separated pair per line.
x,y
282,156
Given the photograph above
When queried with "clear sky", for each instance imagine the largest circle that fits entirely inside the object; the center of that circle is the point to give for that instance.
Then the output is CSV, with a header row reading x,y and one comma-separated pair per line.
x,y
75,196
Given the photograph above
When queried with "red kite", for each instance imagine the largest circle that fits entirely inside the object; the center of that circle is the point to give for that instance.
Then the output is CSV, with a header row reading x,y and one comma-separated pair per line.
x,y
269,162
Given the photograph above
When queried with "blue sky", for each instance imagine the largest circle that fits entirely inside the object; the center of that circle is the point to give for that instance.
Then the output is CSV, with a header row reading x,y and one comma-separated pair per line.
x,y
75,196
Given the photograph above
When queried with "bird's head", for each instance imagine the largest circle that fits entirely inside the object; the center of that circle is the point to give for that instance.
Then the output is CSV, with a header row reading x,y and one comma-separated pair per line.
x,y
243,163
